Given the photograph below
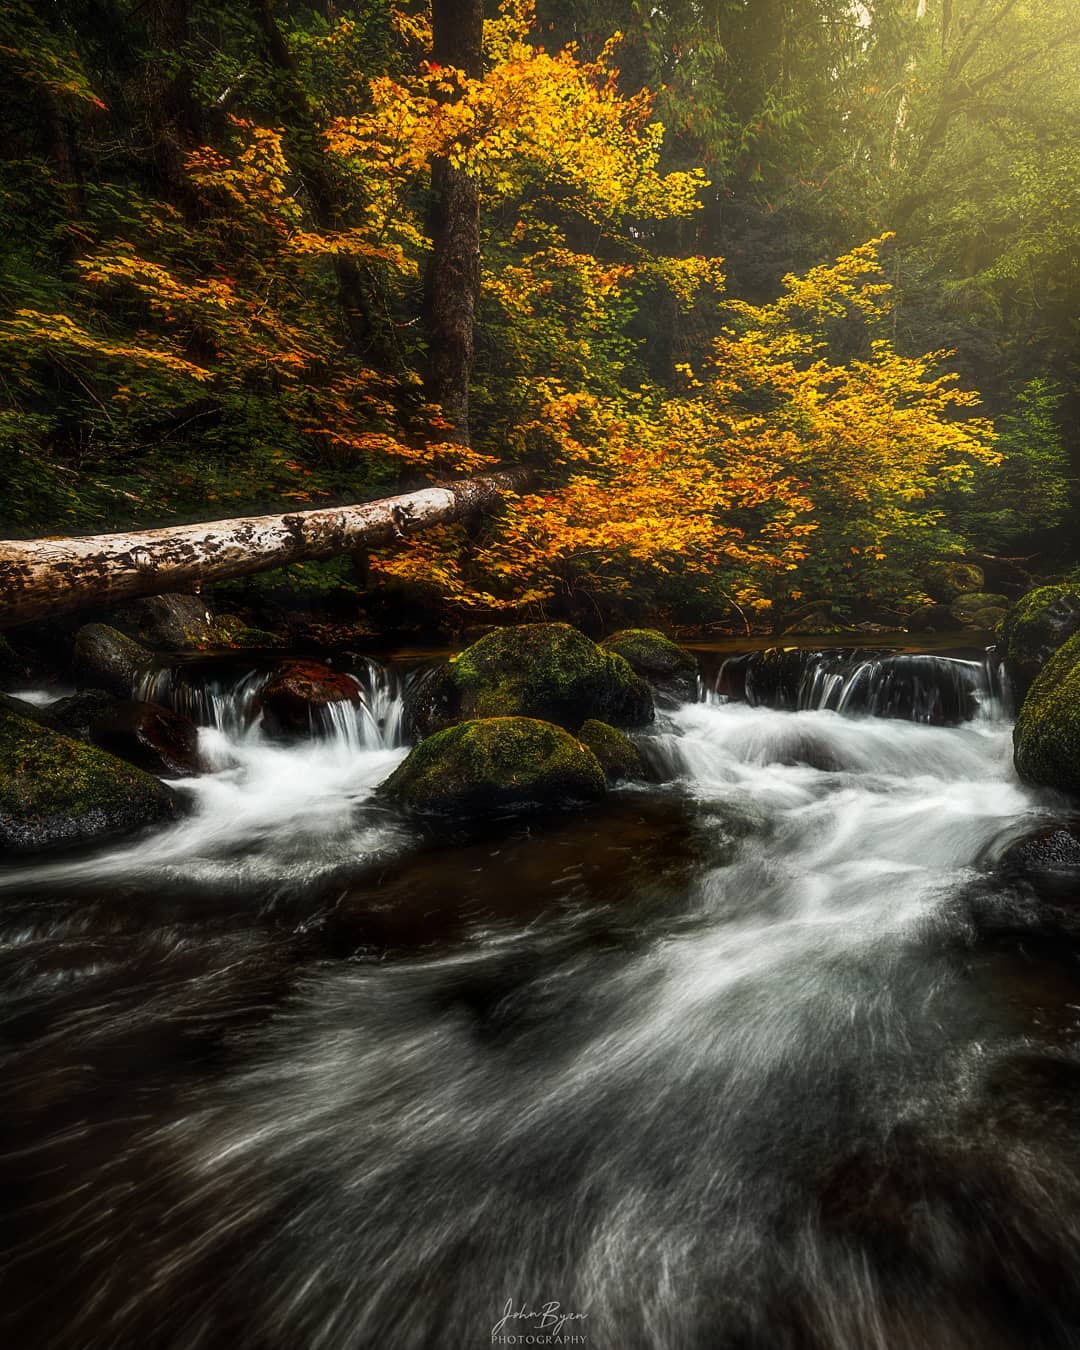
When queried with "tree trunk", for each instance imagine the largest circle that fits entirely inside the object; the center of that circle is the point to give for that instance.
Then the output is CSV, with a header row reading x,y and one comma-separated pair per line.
x,y
453,274
40,577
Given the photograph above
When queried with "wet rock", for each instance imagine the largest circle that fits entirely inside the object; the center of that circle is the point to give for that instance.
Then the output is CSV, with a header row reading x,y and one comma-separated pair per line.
x,y
107,659
31,711
669,669
547,671
1046,738
979,609
495,765
77,713
186,623
931,619
58,793
616,753
947,581
294,699
1052,850
1035,628
153,738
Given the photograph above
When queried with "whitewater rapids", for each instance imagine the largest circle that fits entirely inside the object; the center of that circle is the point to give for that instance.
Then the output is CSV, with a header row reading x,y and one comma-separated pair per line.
x,y
731,1063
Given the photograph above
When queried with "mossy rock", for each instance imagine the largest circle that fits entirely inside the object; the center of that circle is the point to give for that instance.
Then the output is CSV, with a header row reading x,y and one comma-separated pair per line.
x,y
667,667
948,581
931,619
970,609
1046,738
185,623
547,671
59,793
495,764
1035,628
616,753
107,659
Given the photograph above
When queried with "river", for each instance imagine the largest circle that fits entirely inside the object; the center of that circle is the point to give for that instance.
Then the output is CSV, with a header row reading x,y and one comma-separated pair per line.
x,y
768,1056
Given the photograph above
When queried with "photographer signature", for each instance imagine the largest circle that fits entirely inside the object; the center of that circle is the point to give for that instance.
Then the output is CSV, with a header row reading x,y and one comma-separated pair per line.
x,y
549,1318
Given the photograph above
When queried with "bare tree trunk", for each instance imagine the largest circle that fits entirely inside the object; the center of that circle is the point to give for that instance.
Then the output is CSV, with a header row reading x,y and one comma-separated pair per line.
x,y
39,577
453,275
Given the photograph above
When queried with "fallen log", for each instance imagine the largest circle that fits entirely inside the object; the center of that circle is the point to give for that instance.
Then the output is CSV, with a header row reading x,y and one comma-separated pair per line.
x,y
54,576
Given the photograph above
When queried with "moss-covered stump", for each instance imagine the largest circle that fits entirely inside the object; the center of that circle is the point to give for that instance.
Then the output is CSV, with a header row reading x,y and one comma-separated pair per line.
x,y
107,659
980,609
1046,738
668,668
495,764
58,793
615,752
547,671
1035,628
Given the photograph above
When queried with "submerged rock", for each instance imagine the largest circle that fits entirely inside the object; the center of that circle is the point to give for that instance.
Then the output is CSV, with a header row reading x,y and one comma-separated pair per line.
x,y
107,659
1035,628
151,737
293,698
57,793
495,764
1046,738
547,671
616,753
668,668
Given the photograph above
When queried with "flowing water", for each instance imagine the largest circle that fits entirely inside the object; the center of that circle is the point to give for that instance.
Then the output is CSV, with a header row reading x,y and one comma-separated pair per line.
x,y
766,1057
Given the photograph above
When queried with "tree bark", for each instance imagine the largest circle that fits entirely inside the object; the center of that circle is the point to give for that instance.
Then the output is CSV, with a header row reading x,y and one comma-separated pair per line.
x,y
452,282
41,577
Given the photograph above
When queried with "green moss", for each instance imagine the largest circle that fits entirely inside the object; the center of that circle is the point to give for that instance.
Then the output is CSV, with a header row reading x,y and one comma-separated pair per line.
x,y
616,753
1036,627
548,671
665,665
965,608
948,580
56,791
494,764
1046,738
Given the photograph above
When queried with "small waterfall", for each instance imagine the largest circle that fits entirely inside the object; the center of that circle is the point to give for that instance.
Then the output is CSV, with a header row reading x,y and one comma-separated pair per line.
x,y
913,687
224,697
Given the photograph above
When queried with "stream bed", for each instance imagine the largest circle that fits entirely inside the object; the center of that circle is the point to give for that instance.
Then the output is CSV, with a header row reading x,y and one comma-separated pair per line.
x,y
766,1056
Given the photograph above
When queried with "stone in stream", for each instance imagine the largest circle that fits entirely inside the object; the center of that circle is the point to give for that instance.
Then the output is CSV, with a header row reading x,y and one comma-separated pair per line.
x,y
1046,738
185,623
951,579
1037,625
979,610
669,669
547,671
153,738
58,793
107,659
296,695
494,765
77,713
616,753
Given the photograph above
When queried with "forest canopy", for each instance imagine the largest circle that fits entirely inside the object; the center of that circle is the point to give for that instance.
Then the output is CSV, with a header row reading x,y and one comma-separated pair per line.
x,y
776,300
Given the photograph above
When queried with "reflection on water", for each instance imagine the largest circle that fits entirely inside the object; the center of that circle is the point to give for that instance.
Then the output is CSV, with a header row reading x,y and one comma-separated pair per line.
x,y
762,1057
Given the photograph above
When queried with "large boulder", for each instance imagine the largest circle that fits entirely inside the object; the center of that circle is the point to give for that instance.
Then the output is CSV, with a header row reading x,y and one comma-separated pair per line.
x,y
979,609
615,752
1046,738
547,671
295,699
107,659
948,580
153,738
186,623
669,669
931,619
58,793
77,713
495,764
1037,625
